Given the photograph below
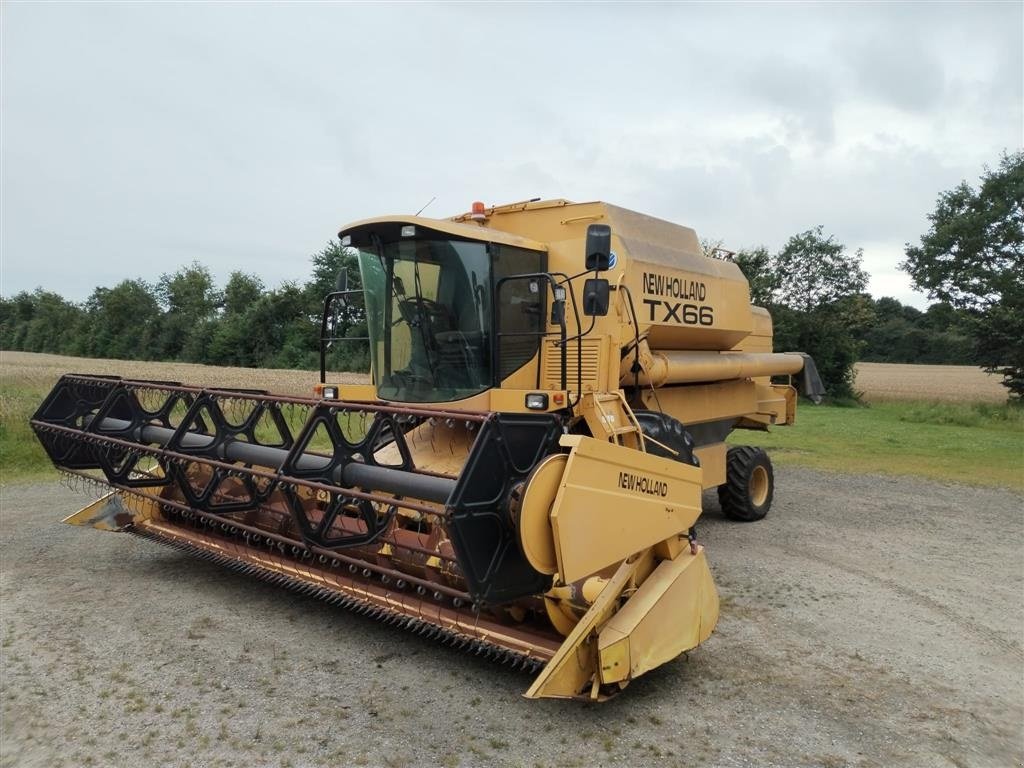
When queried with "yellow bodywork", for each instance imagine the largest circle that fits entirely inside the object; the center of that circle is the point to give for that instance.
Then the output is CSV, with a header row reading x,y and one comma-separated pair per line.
x,y
606,515
679,594
609,516
107,513
628,510
614,502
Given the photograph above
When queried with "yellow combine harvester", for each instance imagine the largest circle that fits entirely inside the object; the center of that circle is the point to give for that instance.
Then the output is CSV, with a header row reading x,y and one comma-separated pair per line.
x,y
552,387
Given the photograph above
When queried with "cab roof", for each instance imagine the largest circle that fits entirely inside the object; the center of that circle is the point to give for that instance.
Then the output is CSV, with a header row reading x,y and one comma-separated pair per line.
x,y
460,230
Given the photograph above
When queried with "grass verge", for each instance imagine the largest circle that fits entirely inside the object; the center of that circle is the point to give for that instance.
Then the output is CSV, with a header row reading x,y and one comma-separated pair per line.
x,y
972,443
22,458
21,455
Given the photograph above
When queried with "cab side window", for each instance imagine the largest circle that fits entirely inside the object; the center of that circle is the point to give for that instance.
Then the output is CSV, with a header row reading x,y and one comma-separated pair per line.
x,y
521,306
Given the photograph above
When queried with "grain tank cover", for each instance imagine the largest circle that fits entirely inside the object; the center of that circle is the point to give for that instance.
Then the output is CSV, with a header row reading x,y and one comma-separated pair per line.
x,y
657,241
687,300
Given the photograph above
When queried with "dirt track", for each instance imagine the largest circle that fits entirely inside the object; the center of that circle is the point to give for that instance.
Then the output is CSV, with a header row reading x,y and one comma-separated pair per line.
x,y
868,621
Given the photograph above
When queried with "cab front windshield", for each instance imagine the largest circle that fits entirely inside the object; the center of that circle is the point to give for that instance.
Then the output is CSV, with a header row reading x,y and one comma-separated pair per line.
x,y
429,316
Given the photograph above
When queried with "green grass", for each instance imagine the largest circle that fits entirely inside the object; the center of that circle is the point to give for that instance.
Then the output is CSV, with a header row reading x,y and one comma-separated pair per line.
x,y
22,458
21,455
972,443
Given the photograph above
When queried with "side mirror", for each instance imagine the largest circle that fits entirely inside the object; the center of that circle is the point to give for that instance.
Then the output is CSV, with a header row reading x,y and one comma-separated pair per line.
x,y
596,293
599,246
341,284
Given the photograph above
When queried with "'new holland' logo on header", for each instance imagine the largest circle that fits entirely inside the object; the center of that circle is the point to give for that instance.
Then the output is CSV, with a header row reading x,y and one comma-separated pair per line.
x,y
641,484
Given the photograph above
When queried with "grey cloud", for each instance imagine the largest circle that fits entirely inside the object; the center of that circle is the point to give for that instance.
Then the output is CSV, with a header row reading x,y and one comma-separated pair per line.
x,y
138,137
804,94
763,196
900,73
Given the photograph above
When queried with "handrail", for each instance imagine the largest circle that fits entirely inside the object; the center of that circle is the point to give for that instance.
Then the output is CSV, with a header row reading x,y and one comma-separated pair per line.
x,y
324,338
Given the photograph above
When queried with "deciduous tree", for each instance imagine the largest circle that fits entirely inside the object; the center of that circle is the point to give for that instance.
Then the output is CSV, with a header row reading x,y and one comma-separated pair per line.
x,y
813,288
973,257
123,321
191,300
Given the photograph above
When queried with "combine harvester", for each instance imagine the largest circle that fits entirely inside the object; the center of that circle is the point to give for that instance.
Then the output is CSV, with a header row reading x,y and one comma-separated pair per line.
x,y
552,387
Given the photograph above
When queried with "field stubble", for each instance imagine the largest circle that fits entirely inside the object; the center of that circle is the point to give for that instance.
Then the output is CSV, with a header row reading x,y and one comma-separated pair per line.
x,y
39,371
876,381
26,377
948,383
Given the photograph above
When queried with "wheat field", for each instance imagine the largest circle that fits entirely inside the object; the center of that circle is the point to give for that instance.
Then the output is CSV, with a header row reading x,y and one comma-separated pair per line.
x,y
877,381
952,383
33,368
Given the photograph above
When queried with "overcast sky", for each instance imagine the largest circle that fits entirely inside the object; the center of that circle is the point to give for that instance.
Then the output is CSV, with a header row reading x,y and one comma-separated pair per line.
x,y
137,138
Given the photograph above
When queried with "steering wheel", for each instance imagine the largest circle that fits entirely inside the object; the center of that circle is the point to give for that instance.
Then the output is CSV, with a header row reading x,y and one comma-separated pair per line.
x,y
407,378
414,310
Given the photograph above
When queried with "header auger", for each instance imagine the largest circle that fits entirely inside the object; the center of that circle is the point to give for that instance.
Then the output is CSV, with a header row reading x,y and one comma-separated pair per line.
x,y
552,385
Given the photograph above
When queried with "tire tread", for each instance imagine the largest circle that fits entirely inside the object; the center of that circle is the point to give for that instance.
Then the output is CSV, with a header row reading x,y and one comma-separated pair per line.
x,y
733,495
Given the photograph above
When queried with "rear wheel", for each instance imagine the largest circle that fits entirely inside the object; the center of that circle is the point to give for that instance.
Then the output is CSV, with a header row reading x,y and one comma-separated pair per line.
x,y
749,484
668,432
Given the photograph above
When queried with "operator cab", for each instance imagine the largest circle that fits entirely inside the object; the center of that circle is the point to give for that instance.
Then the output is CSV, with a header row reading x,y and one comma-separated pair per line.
x,y
430,310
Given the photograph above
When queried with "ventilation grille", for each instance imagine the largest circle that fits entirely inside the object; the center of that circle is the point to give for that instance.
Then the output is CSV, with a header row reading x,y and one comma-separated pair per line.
x,y
591,365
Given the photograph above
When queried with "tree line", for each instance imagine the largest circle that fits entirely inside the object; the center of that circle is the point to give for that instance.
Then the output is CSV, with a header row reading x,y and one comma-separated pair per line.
x,y
971,263
184,316
814,289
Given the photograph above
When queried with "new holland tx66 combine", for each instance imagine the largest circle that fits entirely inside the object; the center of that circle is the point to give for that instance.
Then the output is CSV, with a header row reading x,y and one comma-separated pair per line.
x,y
552,385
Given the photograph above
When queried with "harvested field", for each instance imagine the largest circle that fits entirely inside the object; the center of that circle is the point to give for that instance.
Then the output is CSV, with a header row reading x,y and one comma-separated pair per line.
x,y
39,369
878,381
26,377
953,383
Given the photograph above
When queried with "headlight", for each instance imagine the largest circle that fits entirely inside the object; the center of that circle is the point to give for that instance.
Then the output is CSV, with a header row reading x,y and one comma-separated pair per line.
x,y
537,401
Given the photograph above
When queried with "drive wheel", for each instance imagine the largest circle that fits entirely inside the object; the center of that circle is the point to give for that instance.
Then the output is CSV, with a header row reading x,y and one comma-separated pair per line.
x,y
749,484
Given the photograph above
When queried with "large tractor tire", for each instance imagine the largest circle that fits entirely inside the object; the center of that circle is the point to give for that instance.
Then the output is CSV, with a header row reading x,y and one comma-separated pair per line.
x,y
749,484
667,431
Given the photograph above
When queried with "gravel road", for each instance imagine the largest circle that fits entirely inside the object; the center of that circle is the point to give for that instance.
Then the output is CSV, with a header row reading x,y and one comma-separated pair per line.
x,y
868,621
